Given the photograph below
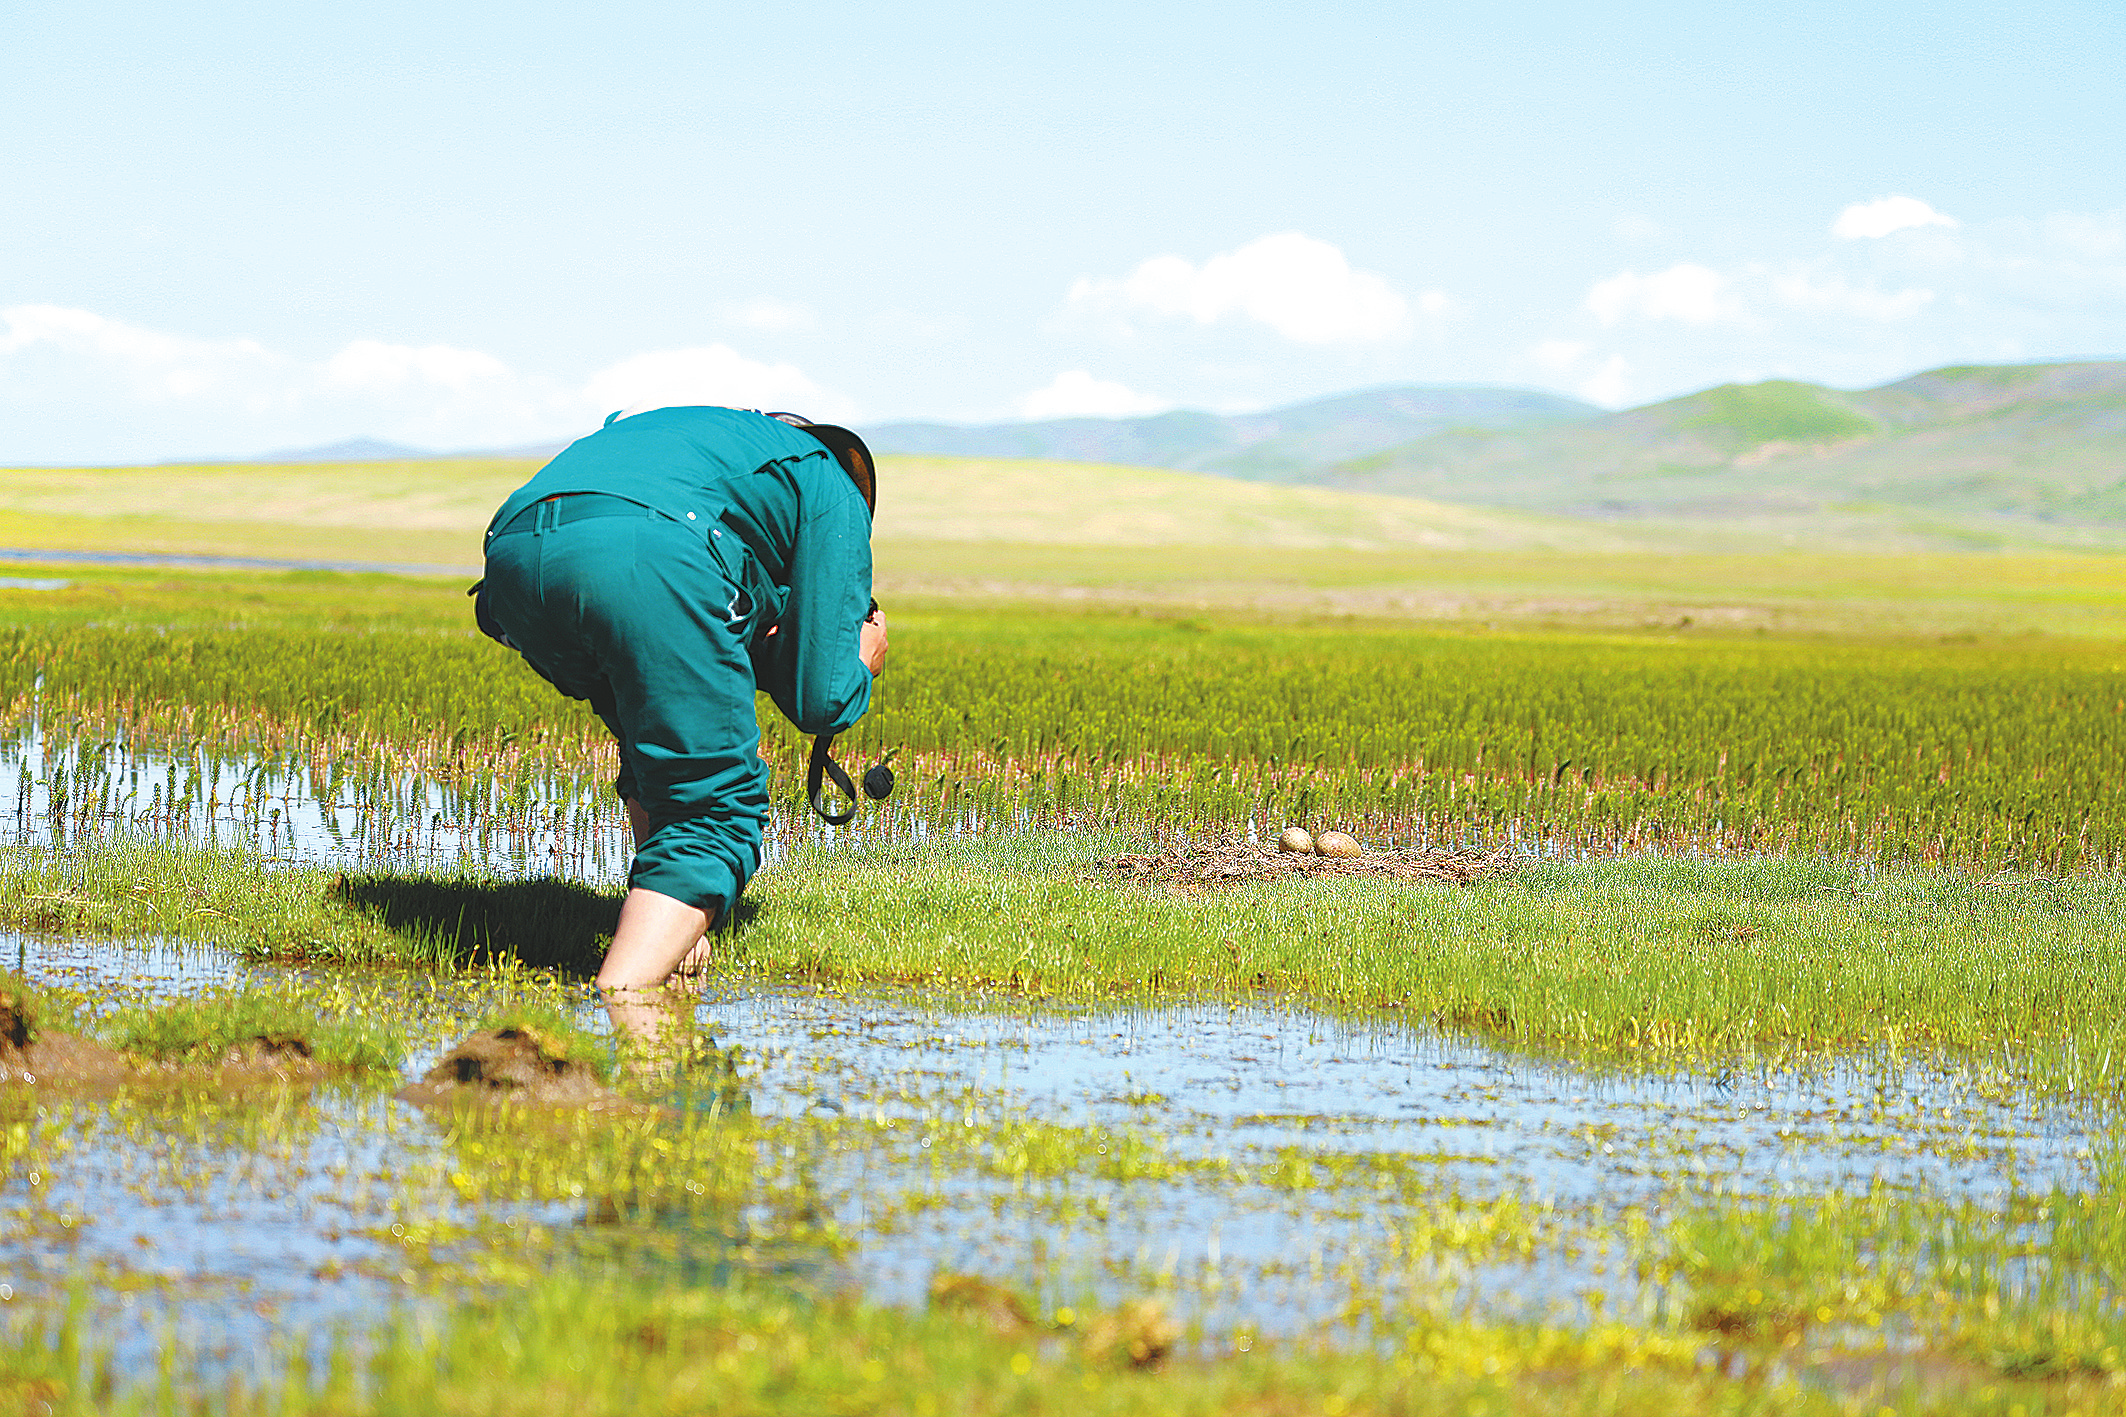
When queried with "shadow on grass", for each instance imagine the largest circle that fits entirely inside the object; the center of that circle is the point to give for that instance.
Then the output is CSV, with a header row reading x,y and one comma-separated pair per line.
x,y
547,924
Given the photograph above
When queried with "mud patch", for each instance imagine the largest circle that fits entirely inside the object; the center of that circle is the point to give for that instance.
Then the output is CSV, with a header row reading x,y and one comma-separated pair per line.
x,y
1232,861
63,1060
272,1059
982,1300
512,1065
31,1057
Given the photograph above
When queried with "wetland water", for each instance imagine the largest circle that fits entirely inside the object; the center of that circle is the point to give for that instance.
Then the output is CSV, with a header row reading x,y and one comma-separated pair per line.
x,y
65,787
1264,1170
363,815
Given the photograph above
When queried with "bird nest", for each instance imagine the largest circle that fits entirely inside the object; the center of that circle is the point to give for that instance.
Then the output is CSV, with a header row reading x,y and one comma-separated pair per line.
x,y
1220,862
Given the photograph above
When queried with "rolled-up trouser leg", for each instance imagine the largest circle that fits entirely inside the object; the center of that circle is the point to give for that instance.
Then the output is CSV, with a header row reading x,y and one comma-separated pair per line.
x,y
632,614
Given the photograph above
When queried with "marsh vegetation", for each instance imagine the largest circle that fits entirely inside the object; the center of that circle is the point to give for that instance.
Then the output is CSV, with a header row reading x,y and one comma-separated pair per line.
x,y
1775,1063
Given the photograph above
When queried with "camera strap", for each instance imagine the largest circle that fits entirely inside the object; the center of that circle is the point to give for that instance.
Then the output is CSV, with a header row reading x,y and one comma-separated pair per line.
x,y
823,766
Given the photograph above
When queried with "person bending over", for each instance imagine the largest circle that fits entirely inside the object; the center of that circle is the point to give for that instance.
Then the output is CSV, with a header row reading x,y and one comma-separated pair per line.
x,y
663,568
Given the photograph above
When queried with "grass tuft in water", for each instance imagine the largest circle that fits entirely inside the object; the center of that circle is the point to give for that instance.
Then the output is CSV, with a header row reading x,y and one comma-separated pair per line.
x,y
243,1024
555,1034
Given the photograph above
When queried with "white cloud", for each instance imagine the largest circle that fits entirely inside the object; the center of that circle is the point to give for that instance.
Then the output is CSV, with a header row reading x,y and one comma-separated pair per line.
x,y
149,364
1302,288
1856,312
1609,382
1077,394
775,317
372,364
1690,294
75,385
1881,217
1559,355
707,374
1610,385
1833,293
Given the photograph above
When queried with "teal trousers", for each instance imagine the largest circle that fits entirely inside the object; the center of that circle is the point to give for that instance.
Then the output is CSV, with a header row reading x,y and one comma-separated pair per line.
x,y
630,613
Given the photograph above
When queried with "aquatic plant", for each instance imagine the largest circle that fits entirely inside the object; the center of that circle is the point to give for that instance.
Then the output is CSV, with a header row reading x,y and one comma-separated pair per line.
x,y
1987,753
246,1024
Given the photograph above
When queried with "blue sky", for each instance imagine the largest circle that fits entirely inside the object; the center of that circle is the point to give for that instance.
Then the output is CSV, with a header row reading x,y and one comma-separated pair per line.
x,y
231,228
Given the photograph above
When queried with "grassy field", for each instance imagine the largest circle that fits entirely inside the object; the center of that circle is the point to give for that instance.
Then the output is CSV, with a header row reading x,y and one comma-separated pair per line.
x,y
435,509
1651,962
997,531
547,1262
1759,804
1978,751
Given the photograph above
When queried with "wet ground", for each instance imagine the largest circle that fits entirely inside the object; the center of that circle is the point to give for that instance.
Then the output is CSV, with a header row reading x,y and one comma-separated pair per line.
x,y
1265,1170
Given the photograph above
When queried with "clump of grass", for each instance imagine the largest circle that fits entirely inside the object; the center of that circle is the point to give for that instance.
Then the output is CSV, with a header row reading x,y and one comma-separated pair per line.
x,y
2025,1288
217,1027
556,1034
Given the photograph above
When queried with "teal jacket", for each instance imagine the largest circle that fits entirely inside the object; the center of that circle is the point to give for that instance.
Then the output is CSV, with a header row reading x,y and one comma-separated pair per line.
x,y
775,511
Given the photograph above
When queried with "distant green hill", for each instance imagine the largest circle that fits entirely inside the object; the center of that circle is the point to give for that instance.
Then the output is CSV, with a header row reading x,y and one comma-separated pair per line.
x,y
1280,445
2014,454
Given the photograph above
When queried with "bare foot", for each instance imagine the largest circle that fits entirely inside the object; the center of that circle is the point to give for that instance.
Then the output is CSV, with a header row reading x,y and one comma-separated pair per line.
x,y
692,969
654,1027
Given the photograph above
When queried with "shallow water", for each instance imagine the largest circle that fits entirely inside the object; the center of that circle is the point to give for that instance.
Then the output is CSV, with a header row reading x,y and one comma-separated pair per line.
x,y
66,788
1292,1172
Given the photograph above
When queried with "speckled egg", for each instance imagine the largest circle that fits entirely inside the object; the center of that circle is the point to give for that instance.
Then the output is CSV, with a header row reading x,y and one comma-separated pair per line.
x,y
1295,839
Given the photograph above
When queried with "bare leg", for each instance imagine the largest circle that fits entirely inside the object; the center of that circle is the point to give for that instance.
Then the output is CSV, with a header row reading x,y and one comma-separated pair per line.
x,y
654,934
696,960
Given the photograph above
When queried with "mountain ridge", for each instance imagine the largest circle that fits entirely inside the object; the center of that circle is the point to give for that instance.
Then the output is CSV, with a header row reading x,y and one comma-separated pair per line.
x,y
1275,445
1972,454
2039,442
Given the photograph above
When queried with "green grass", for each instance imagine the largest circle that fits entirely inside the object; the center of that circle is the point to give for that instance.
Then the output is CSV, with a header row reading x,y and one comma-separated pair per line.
x,y
35,1010
161,601
1776,410
1645,963
1615,587
1984,751
2029,1290
137,889
1640,962
940,537
1746,1285
213,1027
582,1348
1647,960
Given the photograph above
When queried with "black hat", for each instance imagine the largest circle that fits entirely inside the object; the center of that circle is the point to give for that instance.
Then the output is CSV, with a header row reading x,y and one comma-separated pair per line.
x,y
848,450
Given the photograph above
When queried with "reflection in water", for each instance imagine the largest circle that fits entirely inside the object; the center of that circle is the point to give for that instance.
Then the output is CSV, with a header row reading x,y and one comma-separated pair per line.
x,y
370,813
373,812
